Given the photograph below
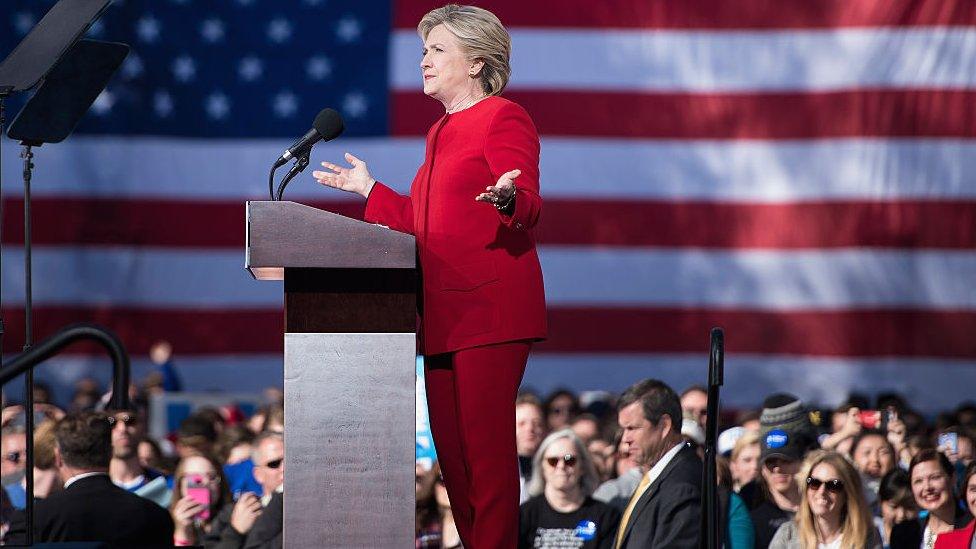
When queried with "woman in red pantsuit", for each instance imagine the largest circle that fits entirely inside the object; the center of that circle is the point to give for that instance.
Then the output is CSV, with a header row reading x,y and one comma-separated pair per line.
x,y
472,206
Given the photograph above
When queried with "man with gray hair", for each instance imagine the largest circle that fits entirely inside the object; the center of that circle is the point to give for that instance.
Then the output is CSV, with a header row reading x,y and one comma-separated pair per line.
x,y
665,509
268,454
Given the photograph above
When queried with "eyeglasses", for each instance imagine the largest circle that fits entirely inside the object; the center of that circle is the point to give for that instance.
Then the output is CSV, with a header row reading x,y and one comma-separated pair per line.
x,y
568,460
275,463
202,478
13,457
127,419
834,485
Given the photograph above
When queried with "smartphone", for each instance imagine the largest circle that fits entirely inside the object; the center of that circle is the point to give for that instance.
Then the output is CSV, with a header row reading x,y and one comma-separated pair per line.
x,y
949,442
198,490
870,419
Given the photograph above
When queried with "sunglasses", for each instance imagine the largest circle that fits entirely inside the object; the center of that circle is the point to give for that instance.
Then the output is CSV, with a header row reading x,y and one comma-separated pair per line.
x,y
128,419
275,463
569,460
834,485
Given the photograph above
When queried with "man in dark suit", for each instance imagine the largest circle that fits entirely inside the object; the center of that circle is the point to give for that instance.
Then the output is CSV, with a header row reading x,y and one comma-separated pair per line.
x,y
91,508
665,509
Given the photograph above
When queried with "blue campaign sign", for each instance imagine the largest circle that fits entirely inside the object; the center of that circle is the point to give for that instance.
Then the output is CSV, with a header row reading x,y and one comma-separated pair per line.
x,y
426,454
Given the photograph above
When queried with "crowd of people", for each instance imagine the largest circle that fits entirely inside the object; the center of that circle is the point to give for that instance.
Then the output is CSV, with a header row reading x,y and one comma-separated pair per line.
x,y
217,482
601,471
609,472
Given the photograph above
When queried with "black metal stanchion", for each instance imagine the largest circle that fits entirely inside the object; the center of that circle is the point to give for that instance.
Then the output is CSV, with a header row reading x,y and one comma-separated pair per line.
x,y
710,517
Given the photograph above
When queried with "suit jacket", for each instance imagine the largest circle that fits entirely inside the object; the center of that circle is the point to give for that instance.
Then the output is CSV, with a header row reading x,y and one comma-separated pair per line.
x,y
669,513
266,532
481,278
94,509
957,539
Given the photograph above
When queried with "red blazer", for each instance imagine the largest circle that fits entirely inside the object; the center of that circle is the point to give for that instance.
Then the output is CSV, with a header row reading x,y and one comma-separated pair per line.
x,y
956,539
482,282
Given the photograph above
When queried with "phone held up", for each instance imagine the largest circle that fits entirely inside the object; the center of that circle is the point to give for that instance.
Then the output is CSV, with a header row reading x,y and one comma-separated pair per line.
x,y
198,489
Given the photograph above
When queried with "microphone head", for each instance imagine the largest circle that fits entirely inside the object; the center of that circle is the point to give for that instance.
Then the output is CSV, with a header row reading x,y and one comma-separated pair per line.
x,y
329,124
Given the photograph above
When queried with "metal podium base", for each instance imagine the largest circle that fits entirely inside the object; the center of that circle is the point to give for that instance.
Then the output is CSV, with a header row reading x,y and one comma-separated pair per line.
x,y
349,440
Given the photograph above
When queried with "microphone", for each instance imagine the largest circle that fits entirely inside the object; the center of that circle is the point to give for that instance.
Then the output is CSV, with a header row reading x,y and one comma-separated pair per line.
x,y
327,126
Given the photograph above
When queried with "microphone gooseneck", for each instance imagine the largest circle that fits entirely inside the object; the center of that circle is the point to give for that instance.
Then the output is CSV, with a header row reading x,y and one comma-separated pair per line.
x,y
327,126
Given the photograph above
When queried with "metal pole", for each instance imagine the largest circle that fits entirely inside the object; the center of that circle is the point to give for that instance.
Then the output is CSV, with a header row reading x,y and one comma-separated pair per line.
x,y
710,501
28,156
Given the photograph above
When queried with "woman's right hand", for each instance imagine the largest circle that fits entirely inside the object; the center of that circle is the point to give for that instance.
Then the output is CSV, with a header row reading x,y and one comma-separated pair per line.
x,y
183,513
185,510
355,179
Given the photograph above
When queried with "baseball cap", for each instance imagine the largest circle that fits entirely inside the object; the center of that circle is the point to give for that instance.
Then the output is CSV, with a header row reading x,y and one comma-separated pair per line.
x,y
785,429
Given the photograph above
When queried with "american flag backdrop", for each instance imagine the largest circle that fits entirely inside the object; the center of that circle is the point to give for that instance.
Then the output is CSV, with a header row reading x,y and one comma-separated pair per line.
x,y
801,173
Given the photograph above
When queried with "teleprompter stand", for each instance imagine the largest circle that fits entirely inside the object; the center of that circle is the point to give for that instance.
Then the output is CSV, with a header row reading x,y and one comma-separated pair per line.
x,y
37,56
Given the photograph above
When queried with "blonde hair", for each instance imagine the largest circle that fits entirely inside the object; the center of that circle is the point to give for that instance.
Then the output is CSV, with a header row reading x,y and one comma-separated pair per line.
x,y
747,439
482,37
855,518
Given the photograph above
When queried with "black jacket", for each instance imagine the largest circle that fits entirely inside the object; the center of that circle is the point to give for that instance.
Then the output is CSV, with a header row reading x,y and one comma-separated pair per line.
x,y
908,534
266,532
668,515
94,509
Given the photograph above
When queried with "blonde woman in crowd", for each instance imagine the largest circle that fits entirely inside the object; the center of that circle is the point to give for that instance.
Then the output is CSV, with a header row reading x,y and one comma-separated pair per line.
x,y
744,462
833,513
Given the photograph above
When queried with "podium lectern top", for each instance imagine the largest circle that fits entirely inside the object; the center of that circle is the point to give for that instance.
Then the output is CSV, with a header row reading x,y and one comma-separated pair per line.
x,y
287,234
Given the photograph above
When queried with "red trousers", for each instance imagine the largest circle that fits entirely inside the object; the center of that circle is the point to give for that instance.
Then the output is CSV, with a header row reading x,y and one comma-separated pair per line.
x,y
471,401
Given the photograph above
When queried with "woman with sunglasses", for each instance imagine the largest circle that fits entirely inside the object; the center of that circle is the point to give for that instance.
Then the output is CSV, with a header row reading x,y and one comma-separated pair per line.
x,y
560,512
932,477
963,538
833,513
202,509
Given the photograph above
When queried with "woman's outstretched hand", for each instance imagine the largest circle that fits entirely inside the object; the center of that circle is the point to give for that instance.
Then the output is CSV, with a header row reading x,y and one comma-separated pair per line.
x,y
502,191
355,179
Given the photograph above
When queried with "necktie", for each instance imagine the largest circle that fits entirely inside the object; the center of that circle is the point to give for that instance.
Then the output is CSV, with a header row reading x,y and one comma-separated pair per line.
x,y
625,520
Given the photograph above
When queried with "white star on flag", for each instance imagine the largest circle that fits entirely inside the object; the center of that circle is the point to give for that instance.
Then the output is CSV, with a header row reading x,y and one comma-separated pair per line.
x,y
250,68
318,67
162,104
285,104
184,69
103,103
348,29
132,67
355,105
218,105
212,30
279,30
148,29
23,21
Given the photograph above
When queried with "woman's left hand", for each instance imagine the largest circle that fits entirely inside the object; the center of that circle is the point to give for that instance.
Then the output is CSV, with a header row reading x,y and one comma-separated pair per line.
x,y
500,192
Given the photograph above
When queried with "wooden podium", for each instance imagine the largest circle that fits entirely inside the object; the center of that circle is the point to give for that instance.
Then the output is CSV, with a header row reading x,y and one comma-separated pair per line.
x,y
350,354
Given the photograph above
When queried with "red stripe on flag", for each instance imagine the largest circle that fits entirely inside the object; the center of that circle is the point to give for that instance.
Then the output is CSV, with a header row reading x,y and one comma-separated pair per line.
x,y
582,222
859,333
139,222
864,333
710,14
801,115
191,331
905,224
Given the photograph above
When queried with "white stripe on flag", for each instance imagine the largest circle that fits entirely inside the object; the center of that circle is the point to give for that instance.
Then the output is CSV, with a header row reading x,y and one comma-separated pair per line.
x,y
724,61
753,171
754,279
